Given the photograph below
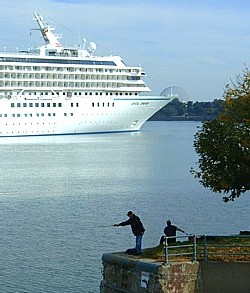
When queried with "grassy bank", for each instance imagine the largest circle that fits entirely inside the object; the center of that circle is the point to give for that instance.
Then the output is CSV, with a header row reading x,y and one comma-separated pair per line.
x,y
219,248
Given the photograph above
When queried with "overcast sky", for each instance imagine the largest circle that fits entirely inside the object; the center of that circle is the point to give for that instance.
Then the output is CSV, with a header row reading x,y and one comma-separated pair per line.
x,y
197,45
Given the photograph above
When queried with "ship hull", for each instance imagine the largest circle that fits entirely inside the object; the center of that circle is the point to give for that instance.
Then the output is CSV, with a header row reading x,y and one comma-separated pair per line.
x,y
24,117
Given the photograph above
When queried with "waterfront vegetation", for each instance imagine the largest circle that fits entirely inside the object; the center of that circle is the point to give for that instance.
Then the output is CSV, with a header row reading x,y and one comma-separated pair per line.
x,y
197,111
223,144
219,248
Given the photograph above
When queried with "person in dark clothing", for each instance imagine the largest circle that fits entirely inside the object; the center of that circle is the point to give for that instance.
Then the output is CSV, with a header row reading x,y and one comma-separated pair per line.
x,y
137,229
170,231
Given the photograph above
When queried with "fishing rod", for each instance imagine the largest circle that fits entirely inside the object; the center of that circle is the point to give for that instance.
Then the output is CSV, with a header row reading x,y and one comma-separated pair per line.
x,y
104,226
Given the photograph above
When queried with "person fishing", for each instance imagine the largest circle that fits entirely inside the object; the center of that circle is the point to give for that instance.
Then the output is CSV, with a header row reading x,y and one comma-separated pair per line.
x,y
170,231
137,229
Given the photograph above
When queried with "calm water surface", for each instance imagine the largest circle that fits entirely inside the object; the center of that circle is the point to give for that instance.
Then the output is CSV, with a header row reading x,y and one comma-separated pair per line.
x,y
59,197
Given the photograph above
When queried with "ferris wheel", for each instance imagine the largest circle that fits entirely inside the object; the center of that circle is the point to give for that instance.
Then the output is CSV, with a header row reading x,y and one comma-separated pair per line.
x,y
173,92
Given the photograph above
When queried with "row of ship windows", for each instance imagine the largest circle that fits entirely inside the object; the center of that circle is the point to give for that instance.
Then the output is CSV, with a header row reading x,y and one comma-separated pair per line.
x,y
68,69
50,114
32,115
78,93
58,61
25,105
43,105
69,94
68,77
71,84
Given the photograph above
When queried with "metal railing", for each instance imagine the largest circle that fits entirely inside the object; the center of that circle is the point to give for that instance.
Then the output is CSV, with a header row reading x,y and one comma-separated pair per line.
x,y
207,248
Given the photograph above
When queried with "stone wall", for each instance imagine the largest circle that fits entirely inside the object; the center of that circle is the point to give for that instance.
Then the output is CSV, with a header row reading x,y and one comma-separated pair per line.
x,y
129,274
133,275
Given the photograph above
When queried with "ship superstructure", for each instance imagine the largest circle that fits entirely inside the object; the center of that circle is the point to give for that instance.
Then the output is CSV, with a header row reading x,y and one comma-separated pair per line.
x,y
57,90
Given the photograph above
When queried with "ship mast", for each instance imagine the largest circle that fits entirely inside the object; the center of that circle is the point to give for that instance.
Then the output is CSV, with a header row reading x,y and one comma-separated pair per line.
x,y
51,40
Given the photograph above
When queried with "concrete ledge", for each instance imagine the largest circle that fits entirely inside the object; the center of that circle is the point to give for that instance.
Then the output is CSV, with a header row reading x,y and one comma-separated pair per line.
x,y
124,260
133,274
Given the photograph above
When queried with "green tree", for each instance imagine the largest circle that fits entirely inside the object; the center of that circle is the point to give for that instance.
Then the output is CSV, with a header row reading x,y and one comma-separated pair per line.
x,y
169,111
218,106
223,144
179,106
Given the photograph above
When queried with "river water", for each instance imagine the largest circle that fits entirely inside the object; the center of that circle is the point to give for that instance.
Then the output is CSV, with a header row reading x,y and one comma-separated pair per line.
x,y
60,196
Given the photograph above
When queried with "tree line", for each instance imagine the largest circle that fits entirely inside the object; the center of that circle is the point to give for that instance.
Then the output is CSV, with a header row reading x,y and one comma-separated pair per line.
x,y
178,110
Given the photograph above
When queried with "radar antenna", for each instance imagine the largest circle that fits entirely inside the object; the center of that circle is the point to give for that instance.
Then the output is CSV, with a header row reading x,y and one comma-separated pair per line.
x,y
91,47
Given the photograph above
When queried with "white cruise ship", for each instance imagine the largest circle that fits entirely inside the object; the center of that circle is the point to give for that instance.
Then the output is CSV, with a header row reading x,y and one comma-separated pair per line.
x,y
55,90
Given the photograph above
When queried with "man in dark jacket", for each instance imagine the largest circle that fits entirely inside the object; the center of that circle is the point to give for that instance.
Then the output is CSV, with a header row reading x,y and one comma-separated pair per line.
x,y
170,231
137,229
